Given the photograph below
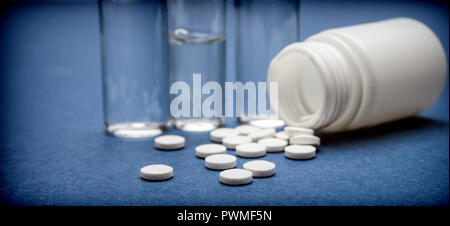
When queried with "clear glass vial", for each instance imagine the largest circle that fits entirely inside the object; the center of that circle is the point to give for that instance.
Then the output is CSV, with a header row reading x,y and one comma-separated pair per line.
x,y
135,67
197,46
358,76
263,29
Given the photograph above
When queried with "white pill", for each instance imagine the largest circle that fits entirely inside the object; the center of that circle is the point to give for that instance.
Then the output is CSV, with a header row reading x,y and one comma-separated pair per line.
x,y
246,129
232,142
260,168
220,161
236,177
304,140
293,131
205,150
282,135
218,134
251,150
169,142
267,123
263,133
273,144
156,172
300,151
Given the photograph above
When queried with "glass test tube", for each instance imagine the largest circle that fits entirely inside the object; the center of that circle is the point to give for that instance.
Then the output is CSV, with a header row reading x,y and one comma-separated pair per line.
x,y
197,46
263,29
134,67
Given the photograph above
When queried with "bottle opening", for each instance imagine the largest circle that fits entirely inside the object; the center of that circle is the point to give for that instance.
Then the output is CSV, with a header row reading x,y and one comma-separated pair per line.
x,y
310,86
301,89
313,90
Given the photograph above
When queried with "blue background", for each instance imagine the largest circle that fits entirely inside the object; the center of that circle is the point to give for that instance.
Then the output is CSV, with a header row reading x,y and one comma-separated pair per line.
x,y
53,149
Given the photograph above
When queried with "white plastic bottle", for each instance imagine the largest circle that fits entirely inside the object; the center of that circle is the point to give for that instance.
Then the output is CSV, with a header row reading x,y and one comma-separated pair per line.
x,y
358,76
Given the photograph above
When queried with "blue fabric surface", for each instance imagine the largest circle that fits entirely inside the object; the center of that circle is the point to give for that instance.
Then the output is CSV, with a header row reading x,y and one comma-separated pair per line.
x,y
53,149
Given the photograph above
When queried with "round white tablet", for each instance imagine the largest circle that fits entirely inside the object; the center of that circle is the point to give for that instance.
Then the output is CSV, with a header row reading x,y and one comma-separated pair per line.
x,y
267,123
220,161
218,134
282,135
232,142
293,131
251,150
273,144
300,151
169,142
304,140
156,172
205,150
236,177
260,168
263,133
246,129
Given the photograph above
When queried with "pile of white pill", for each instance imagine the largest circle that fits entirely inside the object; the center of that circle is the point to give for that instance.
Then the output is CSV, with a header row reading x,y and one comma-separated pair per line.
x,y
248,141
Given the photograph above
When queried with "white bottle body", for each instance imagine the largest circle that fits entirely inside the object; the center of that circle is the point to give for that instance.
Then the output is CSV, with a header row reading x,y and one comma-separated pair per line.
x,y
389,70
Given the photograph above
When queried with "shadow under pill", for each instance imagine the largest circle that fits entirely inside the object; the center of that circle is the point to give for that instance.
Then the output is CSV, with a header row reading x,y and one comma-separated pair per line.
x,y
265,178
156,181
301,160
235,185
